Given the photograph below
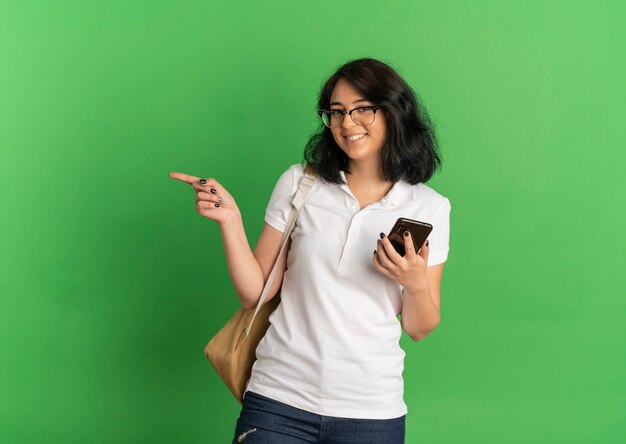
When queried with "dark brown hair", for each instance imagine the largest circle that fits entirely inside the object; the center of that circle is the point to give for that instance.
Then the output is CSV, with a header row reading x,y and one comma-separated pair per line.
x,y
410,151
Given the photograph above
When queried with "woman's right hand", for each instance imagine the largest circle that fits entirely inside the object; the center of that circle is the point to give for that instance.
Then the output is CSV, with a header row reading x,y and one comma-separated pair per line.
x,y
212,199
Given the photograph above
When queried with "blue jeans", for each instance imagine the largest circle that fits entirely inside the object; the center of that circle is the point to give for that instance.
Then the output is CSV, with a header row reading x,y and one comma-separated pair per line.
x,y
264,420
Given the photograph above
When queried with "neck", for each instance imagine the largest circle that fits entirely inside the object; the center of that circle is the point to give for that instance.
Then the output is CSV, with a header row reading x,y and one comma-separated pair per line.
x,y
369,173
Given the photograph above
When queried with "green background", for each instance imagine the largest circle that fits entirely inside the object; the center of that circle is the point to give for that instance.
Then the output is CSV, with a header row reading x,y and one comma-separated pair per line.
x,y
112,284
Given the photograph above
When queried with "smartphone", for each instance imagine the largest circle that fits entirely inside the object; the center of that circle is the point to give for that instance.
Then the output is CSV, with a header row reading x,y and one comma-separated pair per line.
x,y
419,233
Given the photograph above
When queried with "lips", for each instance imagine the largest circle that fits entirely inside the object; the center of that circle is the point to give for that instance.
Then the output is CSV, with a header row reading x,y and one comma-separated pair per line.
x,y
363,135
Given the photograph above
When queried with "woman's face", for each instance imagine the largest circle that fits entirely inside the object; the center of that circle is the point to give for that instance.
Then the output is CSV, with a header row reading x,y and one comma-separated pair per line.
x,y
345,97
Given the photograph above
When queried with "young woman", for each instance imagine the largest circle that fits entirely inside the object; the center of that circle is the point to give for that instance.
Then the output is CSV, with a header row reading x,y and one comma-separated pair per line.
x,y
329,369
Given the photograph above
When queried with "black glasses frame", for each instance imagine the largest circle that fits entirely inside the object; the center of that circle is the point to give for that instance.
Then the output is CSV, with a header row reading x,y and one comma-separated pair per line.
x,y
343,114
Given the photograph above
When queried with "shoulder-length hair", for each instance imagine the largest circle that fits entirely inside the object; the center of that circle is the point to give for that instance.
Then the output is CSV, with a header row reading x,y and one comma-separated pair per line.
x,y
410,151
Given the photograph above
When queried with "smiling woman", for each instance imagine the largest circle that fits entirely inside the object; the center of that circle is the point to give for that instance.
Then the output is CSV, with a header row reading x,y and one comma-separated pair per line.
x,y
332,349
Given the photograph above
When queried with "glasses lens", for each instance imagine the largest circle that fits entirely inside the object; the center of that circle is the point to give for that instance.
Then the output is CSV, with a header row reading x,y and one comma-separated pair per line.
x,y
332,118
336,118
326,118
363,116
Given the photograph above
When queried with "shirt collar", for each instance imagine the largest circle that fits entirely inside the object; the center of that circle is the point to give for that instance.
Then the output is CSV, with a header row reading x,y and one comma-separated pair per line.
x,y
401,192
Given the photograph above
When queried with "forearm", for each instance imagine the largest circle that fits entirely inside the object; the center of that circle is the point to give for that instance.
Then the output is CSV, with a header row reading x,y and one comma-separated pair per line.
x,y
243,268
420,315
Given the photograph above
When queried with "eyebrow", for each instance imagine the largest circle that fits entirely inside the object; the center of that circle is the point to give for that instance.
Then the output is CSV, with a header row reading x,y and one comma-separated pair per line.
x,y
356,101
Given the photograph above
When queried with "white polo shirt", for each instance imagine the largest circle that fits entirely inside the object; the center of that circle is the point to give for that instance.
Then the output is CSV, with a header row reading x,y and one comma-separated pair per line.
x,y
333,344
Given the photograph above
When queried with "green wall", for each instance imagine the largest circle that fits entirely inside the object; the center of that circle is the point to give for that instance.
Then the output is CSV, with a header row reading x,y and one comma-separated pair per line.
x,y
111,284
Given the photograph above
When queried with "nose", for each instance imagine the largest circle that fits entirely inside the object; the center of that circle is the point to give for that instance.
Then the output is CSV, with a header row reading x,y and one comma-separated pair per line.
x,y
347,118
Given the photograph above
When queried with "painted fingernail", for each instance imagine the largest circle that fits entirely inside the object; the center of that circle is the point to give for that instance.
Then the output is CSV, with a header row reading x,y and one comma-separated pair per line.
x,y
375,252
213,190
217,205
219,199
382,235
202,181
427,243
406,233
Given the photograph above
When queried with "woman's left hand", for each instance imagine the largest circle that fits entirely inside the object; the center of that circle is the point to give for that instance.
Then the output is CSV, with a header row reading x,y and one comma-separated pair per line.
x,y
408,270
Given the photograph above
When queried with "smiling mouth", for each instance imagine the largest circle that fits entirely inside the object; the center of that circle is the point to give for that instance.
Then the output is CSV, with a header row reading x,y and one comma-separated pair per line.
x,y
355,137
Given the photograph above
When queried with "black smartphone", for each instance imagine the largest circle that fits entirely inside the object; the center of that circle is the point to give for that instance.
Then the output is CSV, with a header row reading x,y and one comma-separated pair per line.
x,y
419,233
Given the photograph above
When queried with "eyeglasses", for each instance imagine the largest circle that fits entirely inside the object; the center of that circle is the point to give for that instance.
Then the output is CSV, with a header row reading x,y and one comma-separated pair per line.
x,y
363,116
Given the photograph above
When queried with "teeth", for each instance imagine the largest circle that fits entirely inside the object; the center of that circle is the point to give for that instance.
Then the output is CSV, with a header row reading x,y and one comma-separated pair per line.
x,y
355,137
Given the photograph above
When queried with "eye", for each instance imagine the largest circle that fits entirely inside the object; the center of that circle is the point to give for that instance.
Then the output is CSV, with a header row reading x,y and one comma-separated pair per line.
x,y
335,112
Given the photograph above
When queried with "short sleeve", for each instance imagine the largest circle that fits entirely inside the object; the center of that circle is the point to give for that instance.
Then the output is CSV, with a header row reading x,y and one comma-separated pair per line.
x,y
439,238
279,206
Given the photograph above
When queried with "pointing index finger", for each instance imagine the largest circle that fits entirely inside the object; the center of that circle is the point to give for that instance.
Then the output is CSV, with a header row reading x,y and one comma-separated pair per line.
x,y
184,177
